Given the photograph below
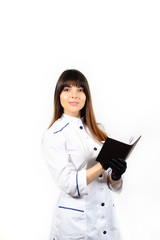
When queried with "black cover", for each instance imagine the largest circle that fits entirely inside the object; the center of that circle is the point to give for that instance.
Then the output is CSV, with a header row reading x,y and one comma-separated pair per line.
x,y
115,149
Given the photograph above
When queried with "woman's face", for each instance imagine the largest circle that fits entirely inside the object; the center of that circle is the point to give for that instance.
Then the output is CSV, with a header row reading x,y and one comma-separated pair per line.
x,y
72,99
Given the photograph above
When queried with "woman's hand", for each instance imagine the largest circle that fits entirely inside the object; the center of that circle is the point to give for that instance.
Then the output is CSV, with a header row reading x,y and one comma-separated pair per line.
x,y
118,167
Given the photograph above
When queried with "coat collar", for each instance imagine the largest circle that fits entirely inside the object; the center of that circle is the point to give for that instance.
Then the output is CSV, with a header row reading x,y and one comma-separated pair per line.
x,y
72,119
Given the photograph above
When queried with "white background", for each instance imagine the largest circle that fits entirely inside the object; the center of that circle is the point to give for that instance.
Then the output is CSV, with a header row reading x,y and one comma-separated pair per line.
x,y
116,45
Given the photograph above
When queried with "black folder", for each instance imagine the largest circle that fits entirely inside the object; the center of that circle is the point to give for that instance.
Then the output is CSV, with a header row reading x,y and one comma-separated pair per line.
x,y
113,148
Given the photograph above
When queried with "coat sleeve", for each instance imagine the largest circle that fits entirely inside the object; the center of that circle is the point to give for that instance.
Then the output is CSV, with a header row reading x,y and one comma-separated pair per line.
x,y
62,169
115,186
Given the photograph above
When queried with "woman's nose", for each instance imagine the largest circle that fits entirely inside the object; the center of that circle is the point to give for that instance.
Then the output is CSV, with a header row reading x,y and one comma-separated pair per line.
x,y
74,94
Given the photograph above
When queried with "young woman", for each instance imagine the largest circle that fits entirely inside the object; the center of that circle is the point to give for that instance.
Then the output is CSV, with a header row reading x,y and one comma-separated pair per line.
x,y
85,210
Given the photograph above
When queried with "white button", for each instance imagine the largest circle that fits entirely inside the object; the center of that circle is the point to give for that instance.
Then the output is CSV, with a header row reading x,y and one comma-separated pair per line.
x,y
101,189
102,217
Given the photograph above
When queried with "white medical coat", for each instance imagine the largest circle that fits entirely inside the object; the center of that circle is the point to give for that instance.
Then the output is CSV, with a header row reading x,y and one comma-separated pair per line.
x,y
83,212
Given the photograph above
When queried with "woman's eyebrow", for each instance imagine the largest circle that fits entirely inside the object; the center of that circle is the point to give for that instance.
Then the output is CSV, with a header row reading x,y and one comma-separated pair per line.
x,y
70,85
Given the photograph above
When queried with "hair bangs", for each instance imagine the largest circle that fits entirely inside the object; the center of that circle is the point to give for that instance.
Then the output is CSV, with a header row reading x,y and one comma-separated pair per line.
x,y
74,83
73,78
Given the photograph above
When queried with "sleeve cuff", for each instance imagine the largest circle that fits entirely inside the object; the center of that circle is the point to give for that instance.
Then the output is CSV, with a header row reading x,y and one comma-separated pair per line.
x,y
81,183
115,186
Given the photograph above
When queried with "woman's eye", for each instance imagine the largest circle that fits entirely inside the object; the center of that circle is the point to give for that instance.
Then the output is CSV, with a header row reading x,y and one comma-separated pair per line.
x,y
66,89
81,90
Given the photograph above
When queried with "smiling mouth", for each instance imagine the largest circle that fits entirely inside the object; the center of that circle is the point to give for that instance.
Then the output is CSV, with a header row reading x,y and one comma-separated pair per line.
x,y
73,103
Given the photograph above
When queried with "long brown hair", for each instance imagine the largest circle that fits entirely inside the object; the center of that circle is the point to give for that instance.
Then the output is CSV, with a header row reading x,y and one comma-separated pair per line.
x,y
76,78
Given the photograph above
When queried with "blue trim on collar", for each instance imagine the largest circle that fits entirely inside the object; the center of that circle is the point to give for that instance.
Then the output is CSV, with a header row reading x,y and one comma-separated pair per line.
x,y
61,129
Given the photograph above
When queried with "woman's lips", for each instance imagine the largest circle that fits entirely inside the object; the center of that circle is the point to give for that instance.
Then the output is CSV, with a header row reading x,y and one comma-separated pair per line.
x,y
73,103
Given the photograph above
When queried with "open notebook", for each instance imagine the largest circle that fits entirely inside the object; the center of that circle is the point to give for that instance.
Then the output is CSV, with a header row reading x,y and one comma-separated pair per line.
x,y
113,148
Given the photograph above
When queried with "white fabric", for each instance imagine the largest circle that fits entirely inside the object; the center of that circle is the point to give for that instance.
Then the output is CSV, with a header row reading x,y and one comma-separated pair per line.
x,y
83,211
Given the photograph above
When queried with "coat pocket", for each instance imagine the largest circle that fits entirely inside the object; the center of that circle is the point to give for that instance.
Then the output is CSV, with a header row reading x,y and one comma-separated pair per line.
x,y
69,222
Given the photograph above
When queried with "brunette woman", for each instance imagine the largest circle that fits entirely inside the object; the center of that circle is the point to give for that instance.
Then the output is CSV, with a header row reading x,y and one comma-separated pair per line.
x,y
85,209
